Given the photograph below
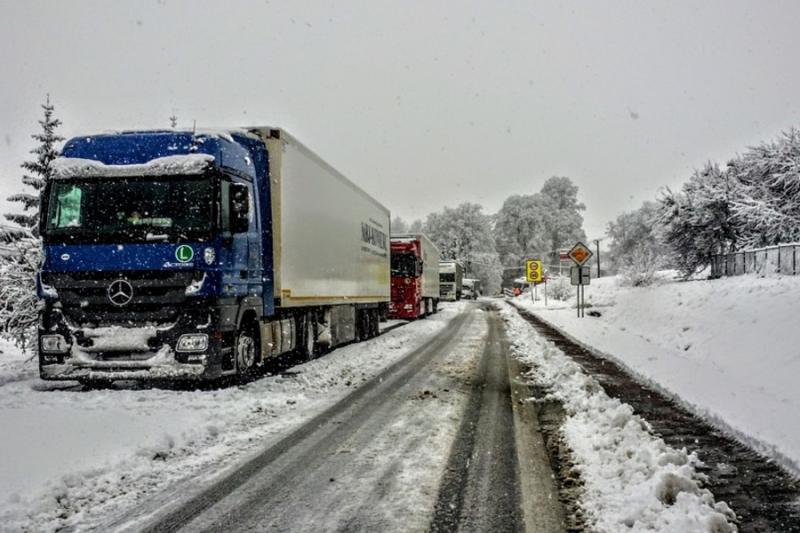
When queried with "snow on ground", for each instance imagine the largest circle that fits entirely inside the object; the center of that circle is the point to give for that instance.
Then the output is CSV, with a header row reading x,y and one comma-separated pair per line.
x,y
633,481
73,458
729,349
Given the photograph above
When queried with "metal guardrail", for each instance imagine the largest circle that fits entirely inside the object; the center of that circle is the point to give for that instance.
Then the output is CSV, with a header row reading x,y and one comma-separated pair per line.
x,y
781,259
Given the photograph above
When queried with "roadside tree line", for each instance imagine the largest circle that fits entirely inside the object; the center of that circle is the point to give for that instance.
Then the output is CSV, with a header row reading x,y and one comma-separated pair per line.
x,y
751,201
493,247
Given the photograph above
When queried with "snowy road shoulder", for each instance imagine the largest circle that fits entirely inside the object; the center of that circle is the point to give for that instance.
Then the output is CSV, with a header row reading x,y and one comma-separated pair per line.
x,y
632,479
73,458
725,349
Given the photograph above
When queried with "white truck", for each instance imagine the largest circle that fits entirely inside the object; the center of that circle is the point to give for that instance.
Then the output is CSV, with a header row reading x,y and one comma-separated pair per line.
x,y
471,288
451,275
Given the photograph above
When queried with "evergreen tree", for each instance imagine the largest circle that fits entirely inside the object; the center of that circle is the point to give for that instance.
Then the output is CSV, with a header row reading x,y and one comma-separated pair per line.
x,y
39,171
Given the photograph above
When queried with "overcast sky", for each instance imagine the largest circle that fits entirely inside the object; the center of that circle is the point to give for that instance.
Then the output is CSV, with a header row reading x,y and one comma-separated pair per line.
x,y
424,104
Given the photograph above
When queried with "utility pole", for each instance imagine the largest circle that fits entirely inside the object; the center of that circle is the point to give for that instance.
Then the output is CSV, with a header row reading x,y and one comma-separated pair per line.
x,y
597,248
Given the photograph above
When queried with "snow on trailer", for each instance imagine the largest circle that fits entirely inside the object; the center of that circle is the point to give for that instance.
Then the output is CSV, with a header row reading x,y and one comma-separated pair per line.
x,y
210,251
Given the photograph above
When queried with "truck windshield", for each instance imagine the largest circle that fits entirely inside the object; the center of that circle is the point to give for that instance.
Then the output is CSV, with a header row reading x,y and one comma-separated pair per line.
x,y
447,277
130,210
404,265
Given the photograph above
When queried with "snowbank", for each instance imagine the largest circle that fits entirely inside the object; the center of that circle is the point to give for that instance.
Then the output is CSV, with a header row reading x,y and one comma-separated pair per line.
x,y
633,481
728,349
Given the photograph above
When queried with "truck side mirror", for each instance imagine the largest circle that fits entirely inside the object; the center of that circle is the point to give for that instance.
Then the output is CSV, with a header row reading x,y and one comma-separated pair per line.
x,y
239,208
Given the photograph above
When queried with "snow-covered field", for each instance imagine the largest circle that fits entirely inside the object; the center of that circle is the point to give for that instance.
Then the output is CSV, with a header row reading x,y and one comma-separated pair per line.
x,y
633,481
729,349
74,458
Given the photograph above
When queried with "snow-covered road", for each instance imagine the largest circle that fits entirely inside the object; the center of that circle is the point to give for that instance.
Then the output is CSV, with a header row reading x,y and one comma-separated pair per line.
x,y
371,462
74,457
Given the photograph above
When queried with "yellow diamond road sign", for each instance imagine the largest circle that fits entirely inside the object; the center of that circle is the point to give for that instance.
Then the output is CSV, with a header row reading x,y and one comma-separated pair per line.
x,y
580,254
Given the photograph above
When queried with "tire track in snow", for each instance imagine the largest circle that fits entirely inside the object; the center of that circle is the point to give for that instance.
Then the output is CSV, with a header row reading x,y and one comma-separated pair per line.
x,y
234,500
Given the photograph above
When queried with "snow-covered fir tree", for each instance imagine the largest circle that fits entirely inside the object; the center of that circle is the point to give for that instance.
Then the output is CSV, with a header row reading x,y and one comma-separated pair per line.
x,y
20,248
19,305
38,171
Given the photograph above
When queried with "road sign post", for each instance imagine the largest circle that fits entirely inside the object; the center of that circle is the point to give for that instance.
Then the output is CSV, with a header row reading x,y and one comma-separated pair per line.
x,y
533,274
579,275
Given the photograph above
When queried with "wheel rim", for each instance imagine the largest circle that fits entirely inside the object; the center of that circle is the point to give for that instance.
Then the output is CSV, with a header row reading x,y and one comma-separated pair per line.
x,y
245,352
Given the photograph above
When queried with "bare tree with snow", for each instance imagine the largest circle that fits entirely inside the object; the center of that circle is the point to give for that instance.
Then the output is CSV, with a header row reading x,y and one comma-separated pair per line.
x,y
464,233
399,225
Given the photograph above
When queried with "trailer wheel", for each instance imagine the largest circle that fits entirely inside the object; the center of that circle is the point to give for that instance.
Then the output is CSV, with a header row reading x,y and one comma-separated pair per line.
x,y
308,344
245,351
376,322
375,319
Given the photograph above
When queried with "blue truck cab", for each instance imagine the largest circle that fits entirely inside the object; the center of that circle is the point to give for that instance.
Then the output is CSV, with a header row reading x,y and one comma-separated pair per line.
x,y
155,246
196,255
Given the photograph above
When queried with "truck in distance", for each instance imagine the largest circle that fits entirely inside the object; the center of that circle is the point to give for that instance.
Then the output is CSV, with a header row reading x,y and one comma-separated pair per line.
x,y
194,255
471,288
415,277
451,275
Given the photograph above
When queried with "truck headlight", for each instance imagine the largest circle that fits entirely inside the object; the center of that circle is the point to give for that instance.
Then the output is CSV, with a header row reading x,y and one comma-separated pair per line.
x,y
192,342
54,344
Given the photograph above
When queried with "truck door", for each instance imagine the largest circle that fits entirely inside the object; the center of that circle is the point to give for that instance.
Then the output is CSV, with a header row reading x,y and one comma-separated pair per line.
x,y
236,270
254,267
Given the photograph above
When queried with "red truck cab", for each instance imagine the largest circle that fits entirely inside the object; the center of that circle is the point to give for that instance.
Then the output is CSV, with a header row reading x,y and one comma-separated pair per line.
x,y
415,278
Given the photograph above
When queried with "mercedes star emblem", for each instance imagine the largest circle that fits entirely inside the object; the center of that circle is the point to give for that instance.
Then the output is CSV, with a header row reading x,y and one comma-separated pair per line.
x,y
120,292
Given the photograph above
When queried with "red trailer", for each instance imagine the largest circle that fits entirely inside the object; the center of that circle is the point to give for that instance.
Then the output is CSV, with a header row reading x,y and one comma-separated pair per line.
x,y
415,277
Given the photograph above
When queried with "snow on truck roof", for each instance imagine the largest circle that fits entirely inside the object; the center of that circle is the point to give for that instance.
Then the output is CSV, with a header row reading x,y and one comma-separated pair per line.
x,y
68,167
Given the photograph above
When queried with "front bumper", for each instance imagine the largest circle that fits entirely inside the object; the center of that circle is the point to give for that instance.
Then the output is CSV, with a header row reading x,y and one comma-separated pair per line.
x,y
407,311
130,352
159,366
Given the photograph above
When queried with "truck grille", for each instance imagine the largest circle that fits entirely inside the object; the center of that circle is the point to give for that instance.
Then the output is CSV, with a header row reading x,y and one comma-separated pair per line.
x,y
157,296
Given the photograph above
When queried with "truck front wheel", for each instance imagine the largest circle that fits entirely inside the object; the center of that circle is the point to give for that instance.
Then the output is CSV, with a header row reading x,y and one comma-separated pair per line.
x,y
245,351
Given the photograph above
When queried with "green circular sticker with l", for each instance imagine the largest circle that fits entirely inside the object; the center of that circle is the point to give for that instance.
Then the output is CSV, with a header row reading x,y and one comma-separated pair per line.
x,y
184,253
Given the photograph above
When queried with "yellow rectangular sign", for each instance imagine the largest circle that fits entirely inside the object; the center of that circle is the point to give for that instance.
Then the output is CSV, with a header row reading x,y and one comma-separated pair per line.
x,y
534,272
